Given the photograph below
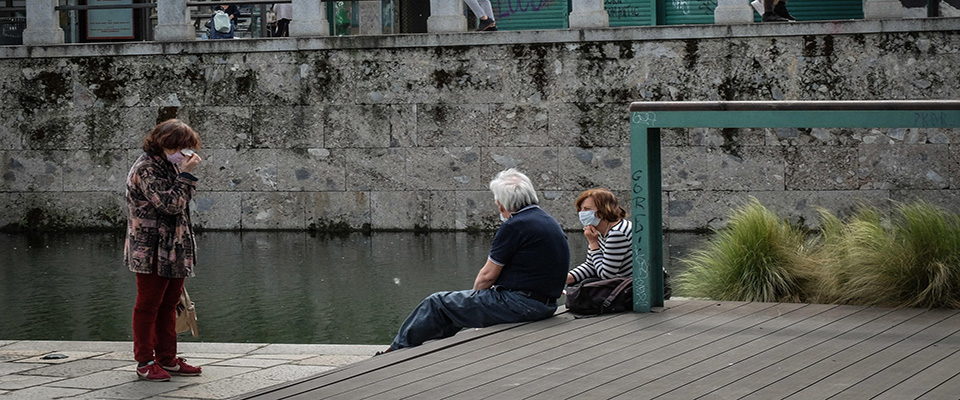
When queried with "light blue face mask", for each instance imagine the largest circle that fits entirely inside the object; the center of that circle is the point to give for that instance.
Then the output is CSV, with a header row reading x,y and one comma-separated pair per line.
x,y
502,218
589,218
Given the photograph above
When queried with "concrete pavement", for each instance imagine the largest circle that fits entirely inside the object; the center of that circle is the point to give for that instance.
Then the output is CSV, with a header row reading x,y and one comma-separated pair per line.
x,y
106,370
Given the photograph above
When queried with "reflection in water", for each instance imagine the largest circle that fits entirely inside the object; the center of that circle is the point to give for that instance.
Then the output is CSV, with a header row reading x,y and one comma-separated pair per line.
x,y
263,287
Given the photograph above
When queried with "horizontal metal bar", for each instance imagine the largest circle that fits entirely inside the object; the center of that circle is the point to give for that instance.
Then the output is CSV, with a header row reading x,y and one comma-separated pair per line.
x,y
106,7
234,2
851,105
13,9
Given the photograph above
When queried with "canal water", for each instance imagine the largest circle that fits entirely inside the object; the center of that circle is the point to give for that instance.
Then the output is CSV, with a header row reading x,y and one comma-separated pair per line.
x,y
258,287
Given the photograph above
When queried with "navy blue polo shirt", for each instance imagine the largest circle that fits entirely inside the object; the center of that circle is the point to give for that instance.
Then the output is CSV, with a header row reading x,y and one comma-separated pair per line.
x,y
533,251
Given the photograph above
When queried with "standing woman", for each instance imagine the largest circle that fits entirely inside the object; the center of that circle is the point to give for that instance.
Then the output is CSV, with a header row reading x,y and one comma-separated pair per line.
x,y
160,245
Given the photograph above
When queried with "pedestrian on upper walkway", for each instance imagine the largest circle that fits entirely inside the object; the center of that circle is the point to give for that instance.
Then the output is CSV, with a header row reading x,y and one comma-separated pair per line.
x,y
284,12
776,11
483,10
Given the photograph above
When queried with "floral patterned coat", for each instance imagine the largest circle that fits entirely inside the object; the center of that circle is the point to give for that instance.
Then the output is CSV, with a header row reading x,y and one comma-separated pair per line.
x,y
158,227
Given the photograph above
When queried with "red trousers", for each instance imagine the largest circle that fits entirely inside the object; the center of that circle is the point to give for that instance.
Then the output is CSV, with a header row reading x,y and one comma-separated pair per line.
x,y
155,318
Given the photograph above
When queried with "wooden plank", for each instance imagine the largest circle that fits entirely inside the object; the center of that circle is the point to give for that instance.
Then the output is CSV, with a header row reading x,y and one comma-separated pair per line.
x,y
906,367
375,364
925,380
942,323
488,376
593,376
947,390
571,365
758,354
685,368
771,360
370,384
678,355
787,376
471,364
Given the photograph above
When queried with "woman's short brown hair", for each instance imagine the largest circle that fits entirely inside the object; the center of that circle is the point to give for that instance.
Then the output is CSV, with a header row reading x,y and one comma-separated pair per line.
x,y
608,209
170,134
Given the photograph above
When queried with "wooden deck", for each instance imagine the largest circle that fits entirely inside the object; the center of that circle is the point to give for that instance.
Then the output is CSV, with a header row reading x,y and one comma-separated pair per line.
x,y
690,349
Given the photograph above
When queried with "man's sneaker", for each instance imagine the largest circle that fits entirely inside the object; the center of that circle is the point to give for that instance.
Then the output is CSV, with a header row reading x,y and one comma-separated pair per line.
x,y
773,17
486,24
781,10
182,368
153,372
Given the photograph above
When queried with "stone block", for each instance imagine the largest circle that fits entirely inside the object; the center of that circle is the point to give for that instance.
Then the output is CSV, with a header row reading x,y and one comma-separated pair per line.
x,y
518,125
698,210
713,137
376,169
95,170
590,124
223,389
250,362
338,211
216,210
169,82
284,128
17,382
821,168
225,127
445,168
43,392
452,124
10,128
52,210
31,171
707,168
314,169
380,126
905,167
948,200
133,390
56,129
399,210
277,79
286,373
45,83
540,164
607,167
237,170
463,210
276,210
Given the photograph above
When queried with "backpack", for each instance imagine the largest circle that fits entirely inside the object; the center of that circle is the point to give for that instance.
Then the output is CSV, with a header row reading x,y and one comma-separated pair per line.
x,y
221,22
601,296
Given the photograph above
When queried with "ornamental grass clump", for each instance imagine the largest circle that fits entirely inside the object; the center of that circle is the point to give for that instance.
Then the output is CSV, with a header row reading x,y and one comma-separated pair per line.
x,y
910,260
756,257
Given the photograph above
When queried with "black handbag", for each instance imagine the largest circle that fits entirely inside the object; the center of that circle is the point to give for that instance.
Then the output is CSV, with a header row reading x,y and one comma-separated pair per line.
x,y
600,296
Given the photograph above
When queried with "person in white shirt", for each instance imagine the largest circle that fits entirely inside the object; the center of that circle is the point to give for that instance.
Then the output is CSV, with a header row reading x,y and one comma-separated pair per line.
x,y
284,13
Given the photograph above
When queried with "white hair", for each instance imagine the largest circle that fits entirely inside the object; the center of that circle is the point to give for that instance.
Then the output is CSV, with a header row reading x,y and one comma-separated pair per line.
x,y
513,190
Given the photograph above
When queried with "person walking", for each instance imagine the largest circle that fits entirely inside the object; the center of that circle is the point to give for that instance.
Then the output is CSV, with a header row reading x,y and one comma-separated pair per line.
x,y
160,245
284,13
776,11
483,10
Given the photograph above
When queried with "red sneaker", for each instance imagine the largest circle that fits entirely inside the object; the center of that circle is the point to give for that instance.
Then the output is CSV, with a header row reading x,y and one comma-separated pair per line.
x,y
182,368
153,372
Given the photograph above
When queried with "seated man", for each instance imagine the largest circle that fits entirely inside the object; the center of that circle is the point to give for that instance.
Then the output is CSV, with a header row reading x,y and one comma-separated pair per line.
x,y
521,280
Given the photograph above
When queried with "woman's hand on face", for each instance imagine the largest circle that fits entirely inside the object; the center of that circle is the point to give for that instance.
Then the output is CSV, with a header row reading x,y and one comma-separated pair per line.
x,y
591,233
190,163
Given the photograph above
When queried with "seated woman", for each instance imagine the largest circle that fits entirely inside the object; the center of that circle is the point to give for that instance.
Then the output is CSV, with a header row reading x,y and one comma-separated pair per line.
x,y
610,235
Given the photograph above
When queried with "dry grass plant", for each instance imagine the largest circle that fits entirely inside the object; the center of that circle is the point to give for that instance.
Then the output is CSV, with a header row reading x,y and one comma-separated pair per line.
x,y
756,257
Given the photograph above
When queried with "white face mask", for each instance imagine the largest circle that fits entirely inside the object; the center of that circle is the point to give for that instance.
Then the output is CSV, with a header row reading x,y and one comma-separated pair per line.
x,y
589,218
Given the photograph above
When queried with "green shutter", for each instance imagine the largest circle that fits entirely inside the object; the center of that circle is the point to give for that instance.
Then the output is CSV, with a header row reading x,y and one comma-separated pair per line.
x,y
818,10
514,15
686,12
631,12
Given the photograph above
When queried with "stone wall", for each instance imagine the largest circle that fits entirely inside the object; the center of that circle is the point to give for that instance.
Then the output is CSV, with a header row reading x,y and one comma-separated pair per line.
x,y
405,132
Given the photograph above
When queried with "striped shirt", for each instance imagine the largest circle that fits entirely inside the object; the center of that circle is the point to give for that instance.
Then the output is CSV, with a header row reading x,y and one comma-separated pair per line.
x,y
615,257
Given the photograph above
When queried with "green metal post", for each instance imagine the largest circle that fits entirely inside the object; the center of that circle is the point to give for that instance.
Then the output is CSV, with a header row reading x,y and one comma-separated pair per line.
x,y
646,215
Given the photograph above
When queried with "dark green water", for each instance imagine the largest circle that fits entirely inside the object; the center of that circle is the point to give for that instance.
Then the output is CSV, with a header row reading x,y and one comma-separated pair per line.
x,y
261,287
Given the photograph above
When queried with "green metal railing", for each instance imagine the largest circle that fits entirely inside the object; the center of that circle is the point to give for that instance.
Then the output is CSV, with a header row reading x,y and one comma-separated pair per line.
x,y
647,118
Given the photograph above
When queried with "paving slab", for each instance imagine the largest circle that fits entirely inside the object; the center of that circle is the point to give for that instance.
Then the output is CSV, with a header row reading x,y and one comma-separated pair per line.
x,y
224,389
17,382
70,357
287,372
14,355
116,355
251,362
77,368
14,368
333,360
97,380
134,390
288,357
351,349
43,393
47,346
213,348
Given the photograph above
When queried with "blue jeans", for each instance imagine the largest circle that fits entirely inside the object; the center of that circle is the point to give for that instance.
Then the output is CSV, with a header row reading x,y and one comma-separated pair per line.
x,y
443,314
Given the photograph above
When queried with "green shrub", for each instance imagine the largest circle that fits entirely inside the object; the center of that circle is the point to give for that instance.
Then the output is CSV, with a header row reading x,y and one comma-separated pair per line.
x,y
756,257
911,260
